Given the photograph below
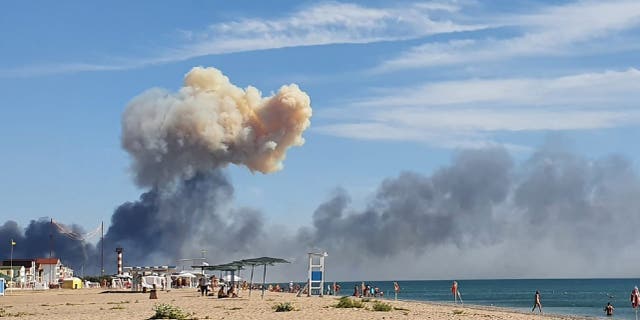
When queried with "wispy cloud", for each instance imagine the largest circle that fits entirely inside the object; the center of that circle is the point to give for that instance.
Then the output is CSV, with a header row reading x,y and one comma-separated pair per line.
x,y
468,112
321,24
561,30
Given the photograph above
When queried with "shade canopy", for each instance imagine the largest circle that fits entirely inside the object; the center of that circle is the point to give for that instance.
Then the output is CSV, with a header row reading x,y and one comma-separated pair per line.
x,y
263,261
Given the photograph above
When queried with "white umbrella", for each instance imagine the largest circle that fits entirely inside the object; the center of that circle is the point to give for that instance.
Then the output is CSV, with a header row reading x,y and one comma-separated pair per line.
x,y
227,278
187,275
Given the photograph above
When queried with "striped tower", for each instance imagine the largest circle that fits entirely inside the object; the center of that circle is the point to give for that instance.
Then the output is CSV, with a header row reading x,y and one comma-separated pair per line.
x,y
119,252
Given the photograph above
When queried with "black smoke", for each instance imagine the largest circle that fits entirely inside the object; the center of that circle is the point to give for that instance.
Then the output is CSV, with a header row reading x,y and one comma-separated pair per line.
x,y
40,239
180,220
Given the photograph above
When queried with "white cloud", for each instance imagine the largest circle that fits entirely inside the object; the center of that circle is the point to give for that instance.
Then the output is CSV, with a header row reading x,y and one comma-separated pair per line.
x,y
320,24
561,30
327,23
469,112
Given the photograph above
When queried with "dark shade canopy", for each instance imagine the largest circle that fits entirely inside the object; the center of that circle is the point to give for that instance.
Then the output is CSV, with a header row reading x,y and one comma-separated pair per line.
x,y
263,261
238,265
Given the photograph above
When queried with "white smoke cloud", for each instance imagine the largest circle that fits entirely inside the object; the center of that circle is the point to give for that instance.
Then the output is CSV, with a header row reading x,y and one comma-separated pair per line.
x,y
210,123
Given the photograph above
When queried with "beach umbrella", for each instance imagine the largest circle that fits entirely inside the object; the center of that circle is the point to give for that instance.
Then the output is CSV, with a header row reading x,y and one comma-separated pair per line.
x,y
229,279
263,261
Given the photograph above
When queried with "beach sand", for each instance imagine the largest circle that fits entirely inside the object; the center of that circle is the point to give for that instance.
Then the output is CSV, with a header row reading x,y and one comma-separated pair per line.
x,y
94,304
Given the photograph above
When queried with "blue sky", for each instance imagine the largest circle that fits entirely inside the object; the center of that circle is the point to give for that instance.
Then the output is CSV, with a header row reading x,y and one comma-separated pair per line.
x,y
395,86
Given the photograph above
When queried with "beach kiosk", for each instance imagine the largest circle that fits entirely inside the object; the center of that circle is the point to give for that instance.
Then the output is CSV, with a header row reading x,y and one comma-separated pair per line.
x,y
315,282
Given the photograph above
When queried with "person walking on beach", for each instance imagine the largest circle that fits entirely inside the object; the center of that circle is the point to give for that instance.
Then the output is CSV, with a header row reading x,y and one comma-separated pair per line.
x,y
608,309
456,292
537,303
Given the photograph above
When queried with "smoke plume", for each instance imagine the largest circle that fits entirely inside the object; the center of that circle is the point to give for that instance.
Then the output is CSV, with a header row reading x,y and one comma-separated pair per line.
x,y
483,215
208,124
178,143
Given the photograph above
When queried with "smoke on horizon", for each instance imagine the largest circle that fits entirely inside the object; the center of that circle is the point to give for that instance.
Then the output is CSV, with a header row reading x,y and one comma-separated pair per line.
x,y
482,215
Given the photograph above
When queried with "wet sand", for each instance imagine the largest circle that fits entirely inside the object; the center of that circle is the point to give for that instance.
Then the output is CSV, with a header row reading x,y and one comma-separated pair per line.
x,y
94,304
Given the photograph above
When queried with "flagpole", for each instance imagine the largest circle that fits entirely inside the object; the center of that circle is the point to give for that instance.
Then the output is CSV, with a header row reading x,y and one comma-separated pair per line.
x,y
11,260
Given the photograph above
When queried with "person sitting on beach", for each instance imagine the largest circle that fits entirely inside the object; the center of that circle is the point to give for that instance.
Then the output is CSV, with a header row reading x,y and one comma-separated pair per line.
x,y
537,303
232,292
608,309
355,291
221,293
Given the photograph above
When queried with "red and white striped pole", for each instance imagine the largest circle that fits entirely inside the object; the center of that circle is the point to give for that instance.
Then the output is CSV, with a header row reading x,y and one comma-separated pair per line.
x,y
119,252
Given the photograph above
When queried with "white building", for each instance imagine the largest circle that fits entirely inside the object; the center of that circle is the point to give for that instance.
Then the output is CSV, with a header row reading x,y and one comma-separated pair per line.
x,y
17,275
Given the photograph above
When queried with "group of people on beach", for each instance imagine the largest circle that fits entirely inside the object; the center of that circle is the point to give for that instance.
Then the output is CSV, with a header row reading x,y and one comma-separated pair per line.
x,y
367,290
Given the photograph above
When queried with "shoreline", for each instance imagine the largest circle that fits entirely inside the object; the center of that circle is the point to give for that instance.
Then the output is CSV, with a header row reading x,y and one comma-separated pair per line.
x,y
94,304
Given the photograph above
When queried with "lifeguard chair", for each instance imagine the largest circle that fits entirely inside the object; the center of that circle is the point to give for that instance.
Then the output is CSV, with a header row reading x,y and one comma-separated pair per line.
x,y
315,282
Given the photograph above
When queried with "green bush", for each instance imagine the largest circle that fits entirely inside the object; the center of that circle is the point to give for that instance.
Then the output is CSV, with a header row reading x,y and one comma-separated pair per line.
x,y
283,307
167,311
381,306
346,302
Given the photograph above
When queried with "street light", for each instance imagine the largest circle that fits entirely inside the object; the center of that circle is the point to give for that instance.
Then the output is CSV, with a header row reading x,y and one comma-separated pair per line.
x,y
13,243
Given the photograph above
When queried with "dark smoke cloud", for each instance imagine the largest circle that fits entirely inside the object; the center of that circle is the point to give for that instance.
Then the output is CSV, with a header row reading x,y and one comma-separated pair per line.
x,y
35,242
180,221
548,216
415,212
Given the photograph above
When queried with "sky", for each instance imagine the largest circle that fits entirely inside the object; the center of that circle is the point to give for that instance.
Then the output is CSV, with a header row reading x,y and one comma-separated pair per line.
x,y
404,87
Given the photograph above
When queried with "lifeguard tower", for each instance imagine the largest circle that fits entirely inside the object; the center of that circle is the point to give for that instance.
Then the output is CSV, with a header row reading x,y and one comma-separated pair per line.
x,y
315,282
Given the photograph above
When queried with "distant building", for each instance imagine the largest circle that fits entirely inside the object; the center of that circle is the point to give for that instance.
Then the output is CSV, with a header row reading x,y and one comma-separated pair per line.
x,y
41,270
16,273
48,270
66,272
29,267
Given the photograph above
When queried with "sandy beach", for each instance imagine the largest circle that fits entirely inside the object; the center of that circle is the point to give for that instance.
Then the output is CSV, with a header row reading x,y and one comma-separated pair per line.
x,y
94,304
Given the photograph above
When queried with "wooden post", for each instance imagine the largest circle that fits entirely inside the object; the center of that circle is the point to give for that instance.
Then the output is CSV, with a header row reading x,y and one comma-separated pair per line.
x,y
264,277
251,279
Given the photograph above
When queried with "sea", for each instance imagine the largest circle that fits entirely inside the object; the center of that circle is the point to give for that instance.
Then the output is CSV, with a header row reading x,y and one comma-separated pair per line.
x,y
581,297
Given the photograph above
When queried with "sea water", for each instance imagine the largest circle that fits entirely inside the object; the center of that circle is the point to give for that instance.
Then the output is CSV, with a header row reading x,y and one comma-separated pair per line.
x,y
582,297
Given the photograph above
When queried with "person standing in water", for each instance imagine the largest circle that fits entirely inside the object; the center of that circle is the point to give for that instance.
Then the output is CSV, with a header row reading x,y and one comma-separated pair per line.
x,y
635,297
608,309
537,303
396,288
456,292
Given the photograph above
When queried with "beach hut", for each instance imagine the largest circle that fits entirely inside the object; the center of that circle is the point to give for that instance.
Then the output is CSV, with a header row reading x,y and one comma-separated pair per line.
x,y
72,283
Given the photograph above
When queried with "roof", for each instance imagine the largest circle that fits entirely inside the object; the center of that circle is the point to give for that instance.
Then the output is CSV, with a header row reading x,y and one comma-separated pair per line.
x,y
10,267
47,261
19,262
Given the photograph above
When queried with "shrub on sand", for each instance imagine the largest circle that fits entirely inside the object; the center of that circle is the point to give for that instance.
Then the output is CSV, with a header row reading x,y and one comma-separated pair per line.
x,y
381,306
346,302
283,307
167,311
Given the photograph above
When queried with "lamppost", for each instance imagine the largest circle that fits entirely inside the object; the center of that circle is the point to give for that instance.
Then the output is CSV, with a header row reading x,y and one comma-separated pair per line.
x,y
13,243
